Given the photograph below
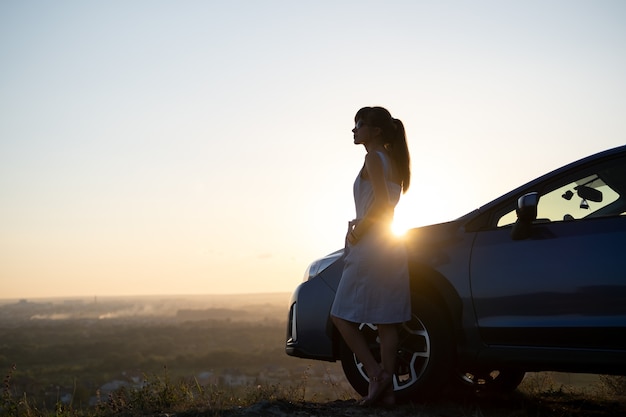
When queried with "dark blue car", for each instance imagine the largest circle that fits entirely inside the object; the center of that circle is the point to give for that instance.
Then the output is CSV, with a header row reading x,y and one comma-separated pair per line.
x,y
532,281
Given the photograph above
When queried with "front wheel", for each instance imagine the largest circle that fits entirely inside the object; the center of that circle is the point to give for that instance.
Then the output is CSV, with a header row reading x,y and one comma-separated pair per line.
x,y
425,354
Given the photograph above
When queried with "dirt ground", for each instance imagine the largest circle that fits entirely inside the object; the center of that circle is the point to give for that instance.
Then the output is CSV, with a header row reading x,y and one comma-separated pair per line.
x,y
517,405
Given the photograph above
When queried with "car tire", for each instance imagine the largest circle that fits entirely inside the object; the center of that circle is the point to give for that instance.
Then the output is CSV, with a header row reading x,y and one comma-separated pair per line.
x,y
425,354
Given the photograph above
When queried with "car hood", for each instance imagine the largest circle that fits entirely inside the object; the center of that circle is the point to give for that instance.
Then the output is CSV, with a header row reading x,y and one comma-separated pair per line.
x,y
424,243
433,233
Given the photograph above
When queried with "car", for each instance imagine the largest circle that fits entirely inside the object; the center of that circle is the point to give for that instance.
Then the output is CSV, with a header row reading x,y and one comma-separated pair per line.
x,y
532,281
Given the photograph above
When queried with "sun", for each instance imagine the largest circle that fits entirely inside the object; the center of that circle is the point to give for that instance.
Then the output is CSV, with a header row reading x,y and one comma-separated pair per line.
x,y
411,214
399,226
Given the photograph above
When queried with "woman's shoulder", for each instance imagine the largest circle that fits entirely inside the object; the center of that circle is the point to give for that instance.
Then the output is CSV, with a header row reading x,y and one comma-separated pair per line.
x,y
378,156
379,159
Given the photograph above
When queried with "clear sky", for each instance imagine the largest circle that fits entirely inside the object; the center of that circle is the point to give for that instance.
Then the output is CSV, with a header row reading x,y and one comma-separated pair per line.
x,y
191,147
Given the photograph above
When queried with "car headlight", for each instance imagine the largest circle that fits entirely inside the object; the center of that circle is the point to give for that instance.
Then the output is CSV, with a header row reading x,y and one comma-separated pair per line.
x,y
321,264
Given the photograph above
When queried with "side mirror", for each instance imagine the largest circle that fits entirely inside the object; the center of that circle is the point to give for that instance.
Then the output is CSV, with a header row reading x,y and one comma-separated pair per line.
x,y
526,214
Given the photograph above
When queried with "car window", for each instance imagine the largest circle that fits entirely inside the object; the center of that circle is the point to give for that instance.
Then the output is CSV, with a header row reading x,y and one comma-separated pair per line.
x,y
565,203
602,193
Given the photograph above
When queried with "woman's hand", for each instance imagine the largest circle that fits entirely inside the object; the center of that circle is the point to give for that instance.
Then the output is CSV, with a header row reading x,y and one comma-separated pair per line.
x,y
352,238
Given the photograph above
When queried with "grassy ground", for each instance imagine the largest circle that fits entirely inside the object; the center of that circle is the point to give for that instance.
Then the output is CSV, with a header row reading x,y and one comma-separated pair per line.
x,y
63,366
539,395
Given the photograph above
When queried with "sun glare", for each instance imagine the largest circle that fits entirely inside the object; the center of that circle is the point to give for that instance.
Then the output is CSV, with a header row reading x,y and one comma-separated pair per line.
x,y
403,219
399,228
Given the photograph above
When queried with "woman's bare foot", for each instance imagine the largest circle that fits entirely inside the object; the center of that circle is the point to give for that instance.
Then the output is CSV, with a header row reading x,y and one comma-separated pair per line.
x,y
378,385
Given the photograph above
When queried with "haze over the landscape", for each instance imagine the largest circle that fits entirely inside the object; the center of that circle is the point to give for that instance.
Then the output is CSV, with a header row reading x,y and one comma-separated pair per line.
x,y
158,147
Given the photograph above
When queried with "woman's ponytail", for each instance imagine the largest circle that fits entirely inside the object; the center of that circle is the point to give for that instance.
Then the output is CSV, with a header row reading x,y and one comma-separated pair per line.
x,y
400,153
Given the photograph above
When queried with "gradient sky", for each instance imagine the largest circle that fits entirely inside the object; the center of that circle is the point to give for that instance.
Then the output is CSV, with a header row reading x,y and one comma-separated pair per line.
x,y
191,147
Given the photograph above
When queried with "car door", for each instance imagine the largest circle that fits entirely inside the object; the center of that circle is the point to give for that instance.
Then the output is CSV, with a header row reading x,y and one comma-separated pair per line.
x,y
565,285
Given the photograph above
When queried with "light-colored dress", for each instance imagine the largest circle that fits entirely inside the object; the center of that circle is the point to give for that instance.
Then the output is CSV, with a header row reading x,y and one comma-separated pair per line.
x,y
374,286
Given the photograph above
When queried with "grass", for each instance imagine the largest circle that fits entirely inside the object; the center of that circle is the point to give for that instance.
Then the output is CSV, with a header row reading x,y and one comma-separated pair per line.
x,y
539,395
159,394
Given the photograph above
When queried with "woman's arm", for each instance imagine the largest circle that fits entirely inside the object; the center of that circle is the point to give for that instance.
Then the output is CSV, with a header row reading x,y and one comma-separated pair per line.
x,y
381,209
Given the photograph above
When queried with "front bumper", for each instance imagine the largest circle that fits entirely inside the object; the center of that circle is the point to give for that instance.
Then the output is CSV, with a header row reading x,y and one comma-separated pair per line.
x,y
310,333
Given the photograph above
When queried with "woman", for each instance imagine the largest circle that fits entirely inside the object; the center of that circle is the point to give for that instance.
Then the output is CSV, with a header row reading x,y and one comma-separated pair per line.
x,y
374,286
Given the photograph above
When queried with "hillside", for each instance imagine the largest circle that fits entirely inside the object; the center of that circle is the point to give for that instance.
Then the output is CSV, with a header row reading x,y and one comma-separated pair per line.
x,y
215,355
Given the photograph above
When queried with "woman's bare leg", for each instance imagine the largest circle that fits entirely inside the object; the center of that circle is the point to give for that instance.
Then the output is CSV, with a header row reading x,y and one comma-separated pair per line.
x,y
388,351
388,346
357,343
